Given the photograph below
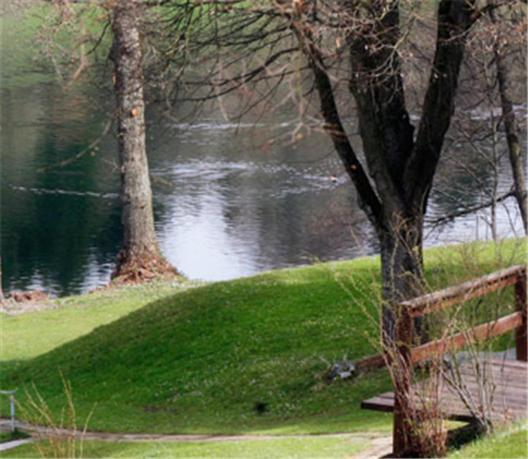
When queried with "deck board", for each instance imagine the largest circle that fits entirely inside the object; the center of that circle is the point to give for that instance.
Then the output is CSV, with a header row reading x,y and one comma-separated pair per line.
x,y
507,388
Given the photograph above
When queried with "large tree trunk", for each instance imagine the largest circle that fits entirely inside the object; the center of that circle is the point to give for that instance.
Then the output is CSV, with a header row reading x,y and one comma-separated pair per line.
x,y
401,272
140,255
402,275
387,136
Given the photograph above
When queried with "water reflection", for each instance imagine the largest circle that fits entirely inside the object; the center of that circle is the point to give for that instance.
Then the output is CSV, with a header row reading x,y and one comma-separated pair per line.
x,y
227,203
234,211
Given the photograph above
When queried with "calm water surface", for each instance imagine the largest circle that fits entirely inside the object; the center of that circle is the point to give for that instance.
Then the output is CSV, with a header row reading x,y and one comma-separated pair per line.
x,y
227,204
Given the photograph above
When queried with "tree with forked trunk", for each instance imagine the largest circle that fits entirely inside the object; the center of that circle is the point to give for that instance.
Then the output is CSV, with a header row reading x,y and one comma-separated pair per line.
x,y
401,164
360,43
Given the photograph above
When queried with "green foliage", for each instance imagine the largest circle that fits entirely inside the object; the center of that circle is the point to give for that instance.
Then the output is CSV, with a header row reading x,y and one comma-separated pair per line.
x,y
19,64
40,43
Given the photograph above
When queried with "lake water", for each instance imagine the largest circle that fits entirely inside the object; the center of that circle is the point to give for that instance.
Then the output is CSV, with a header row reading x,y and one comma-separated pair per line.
x,y
227,202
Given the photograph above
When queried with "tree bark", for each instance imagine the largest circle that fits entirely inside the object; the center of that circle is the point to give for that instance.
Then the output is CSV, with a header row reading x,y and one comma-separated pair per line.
x,y
140,256
387,136
401,169
401,271
510,125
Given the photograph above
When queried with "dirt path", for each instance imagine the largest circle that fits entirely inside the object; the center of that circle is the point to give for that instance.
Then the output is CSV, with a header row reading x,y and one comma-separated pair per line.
x,y
379,447
380,442
142,437
14,444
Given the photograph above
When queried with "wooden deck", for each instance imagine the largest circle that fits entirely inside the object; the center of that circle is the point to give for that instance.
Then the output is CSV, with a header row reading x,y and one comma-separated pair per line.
x,y
505,384
465,397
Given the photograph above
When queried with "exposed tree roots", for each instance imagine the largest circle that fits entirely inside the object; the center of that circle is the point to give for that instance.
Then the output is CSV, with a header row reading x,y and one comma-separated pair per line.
x,y
134,268
27,296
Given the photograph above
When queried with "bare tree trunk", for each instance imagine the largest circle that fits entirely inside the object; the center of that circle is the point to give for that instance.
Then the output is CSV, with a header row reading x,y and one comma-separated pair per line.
x,y
495,177
510,123
512,136
402,276
400,168
401,272
140,256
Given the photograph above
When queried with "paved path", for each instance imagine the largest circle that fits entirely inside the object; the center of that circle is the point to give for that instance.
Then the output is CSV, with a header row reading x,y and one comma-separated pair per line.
x,y
379,447
141,437
14,444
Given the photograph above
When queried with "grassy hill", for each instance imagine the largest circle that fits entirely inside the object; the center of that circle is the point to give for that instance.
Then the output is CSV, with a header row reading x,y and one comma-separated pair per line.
x,y
240,356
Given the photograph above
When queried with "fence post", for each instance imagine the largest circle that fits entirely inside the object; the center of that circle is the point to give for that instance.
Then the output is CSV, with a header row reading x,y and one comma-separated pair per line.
x,y
402,367
12,412
521,334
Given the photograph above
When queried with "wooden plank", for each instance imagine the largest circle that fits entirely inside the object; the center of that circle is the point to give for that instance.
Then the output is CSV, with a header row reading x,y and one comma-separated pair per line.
x,y
378,404
463,292
498,369
378,361
521,334
479,333
508,394
515,275
512,385
403,373
472,391
509,402
506,363
451,408
387,405
509,383
370,363
447,399
501,372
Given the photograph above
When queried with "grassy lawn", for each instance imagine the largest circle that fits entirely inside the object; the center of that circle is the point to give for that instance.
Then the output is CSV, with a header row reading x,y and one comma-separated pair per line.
x,y
10,436
511,443
203,359
280,448
25,336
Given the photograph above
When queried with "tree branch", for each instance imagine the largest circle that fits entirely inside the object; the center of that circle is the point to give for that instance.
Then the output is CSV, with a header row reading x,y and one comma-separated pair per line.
x,y
454,21
448,218
334,127
368,199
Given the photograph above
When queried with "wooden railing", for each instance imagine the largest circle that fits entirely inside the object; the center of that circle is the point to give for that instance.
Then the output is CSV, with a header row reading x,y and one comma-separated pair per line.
x,y
409,356
442,299
418,307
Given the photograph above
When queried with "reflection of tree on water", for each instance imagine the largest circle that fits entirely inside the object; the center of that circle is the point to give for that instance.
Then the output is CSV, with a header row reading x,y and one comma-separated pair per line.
x,y
48,234
475,173
242,209
54,234
464,179
254,209
224,205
